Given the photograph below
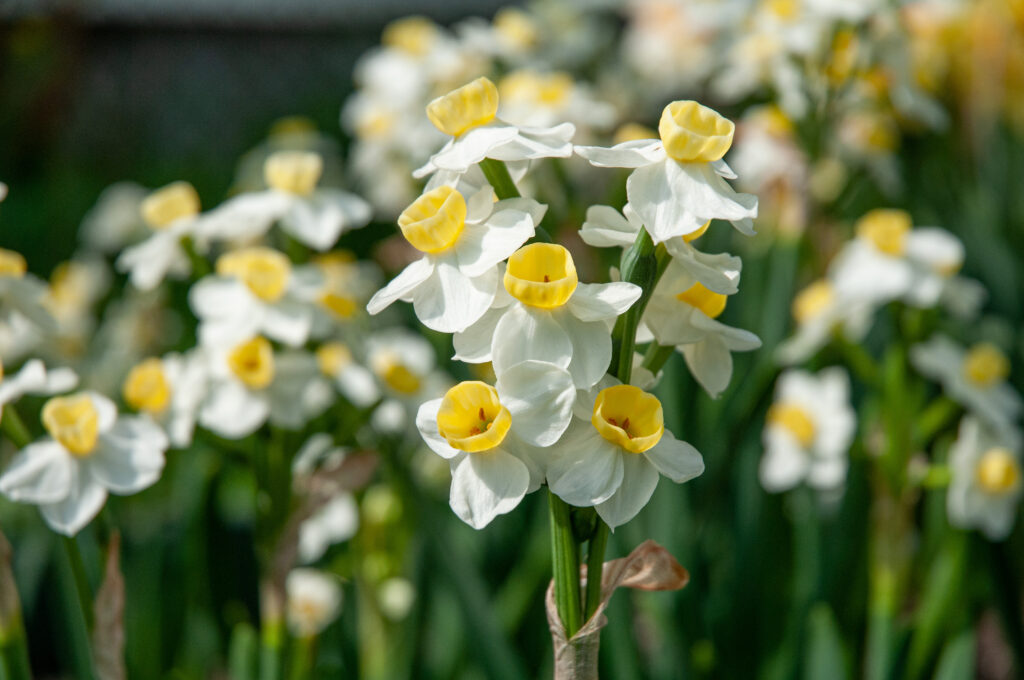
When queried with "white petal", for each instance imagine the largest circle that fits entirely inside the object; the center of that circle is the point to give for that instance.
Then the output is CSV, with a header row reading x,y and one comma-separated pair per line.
x,y
710,363
41,472
106,410
487,484
639,479
584,468
288,322
244,217
215,297
426,423
591,349
602,301
533,143
232,411
632,154
606,227
481,247
472,147
524,334
321,218
83,502
149,262
60,380
449,301
473,345
676,459
130,457
539,397
480,204
402,286
31,378
719,272
785,463
358,385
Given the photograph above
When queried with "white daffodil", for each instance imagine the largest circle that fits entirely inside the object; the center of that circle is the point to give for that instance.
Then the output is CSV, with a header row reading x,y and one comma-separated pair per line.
x,y
614,449
356,382
987,482
314,600
975,378
607,227
547,315
808,431
76,288
820,309
169,390
316,216
486,433
463,242
678,184
34,378
469,113
23,314
173,214
683,312
250,384
256,291
405,366
90,451
116,218
529,97
346,285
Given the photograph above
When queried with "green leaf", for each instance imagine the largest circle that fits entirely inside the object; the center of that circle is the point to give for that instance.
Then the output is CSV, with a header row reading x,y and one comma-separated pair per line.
x,y
957,660
824,656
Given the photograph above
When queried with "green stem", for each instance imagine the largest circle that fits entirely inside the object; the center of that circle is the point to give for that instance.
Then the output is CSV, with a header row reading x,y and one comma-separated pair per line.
x,y
657,356
81,581
200,266
79,609
14,664
14,427
565,554
860,361
497,174
302,658
595,569
640,267
936,416
271,642
1008,599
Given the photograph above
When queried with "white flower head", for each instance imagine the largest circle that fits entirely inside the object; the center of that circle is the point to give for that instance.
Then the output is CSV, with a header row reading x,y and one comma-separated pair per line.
x,y
316,216
462,242
89,452
405,367
24,315
679,180
34,378
355,381
487,435
468,115
169,390
987,481
172,213
976,378
684,312
546,314
820,309
256,291
537,99
314,600
614,450
336,521
808,431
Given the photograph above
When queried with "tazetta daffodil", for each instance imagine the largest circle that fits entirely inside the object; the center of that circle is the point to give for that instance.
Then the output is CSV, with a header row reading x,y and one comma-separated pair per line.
x,y
987,480
678,183
173,214
89,452
169,390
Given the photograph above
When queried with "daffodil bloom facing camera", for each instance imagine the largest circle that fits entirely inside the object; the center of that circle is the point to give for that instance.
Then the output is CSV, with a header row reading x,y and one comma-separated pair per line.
x,y
613,451
405,367
172,213
488,433
314,599
819,310
256,291
462,242
683,312
808,431
169,390
987,479
546,314
469,115
89,452
251,384
976,378
678,183
314,215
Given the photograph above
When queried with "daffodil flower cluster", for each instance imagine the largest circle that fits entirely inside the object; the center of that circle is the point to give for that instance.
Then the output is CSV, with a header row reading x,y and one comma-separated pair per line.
x,y
555,415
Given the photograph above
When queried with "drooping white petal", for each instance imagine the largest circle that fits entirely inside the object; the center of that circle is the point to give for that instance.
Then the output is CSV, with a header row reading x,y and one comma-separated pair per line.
x,y
539,397
602,301
481,247
287,322
632,154
532,143
426,423
469,149
402,286
244,217
31,378
106,410
149,262
130,457
710,362
591,349
84,501
473,345
522,334
449,301
676,459
605,227
321,218
487,484
358,385
584,469
785,462
718,272
41,472
639,479
232,411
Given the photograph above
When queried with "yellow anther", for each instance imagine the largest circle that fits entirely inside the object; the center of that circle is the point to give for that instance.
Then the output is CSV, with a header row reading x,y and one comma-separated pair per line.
x,y
541,275
73,421
12,264
331,357
469,106
887,229
435,220
471,417
165,206
415,35
709,302
293,172
694,235
998,471
813,300
252,362
985,365
628,416
631,132
516,28
544,89
146,387
264,271
795,419
694,133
